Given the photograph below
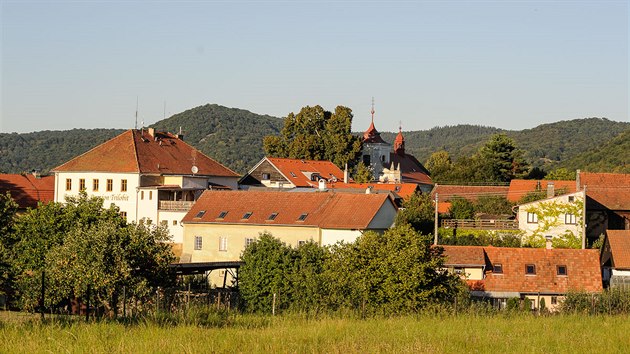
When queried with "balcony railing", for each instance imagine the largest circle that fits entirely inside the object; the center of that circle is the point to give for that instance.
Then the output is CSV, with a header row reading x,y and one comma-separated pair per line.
x,y
174,205
480,224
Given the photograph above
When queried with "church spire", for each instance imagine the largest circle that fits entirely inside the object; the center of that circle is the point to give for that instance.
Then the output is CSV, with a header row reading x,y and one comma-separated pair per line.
x,y
372,135
399,143
372,111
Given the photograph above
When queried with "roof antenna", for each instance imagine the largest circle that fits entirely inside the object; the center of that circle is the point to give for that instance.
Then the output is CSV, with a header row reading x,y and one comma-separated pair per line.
x,y
372,111
136,125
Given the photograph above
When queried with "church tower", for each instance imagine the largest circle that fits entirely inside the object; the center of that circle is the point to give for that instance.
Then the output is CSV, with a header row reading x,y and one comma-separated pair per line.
x,y
399,142
376,152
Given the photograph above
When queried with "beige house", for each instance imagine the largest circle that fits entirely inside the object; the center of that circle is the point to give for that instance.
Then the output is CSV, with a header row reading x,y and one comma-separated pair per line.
x,y
222,223
561,217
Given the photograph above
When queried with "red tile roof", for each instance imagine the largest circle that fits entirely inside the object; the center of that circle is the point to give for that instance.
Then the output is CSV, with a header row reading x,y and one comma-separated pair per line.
x,y
464,256
612,190
582,266
323,209
520,187
294,169
404,190
137,151
583,270
411,169
619,241
27,190
372,135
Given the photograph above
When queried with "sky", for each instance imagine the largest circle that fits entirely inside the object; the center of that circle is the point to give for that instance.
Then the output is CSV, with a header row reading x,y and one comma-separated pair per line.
x,y
508,64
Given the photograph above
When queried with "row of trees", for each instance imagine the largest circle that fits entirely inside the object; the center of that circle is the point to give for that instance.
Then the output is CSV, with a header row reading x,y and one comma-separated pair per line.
x,y
78,251
397,271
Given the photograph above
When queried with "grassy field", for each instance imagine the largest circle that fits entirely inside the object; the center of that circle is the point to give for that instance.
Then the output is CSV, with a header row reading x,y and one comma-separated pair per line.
x,y
291,334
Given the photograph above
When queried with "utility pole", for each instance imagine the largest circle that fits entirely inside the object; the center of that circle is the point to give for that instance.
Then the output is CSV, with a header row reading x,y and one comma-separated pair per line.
x,y
584,219
435,238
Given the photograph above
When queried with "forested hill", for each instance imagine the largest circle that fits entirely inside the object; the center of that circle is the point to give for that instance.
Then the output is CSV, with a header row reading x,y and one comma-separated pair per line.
x,y
546,145
234,137
229,135
613,156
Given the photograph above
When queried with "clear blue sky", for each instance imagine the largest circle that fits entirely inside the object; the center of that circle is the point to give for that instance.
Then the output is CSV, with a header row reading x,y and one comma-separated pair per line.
x,y
509,64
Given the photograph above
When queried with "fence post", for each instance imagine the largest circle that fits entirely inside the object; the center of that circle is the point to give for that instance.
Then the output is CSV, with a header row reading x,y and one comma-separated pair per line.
x,y
273,305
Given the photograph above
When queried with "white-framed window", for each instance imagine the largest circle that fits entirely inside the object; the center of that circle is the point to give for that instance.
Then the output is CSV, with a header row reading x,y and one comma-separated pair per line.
x,y
249,241
174,222
571,199
532,218
198,242
570,219
223,243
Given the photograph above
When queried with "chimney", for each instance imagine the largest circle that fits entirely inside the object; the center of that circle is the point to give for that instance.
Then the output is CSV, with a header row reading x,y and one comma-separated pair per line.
x,y
152,131
550,190
368,190
322,184
577,180
345,174
548,244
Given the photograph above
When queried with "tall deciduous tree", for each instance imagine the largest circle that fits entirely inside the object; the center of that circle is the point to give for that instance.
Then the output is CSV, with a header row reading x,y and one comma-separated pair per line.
x,y
501,160
419,212
316,134
440,165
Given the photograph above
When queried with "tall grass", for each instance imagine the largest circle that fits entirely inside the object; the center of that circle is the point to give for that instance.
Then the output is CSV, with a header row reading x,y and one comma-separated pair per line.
x,y
291,333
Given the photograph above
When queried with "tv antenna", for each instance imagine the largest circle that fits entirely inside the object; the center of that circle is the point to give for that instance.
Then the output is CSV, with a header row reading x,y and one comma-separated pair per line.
x,y
136,124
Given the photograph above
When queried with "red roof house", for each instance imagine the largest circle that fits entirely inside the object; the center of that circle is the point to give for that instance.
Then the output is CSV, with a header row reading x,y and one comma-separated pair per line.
x,y
28,189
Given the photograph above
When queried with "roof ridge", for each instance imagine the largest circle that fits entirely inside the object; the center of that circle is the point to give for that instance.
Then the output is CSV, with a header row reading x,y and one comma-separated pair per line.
x,y
135,149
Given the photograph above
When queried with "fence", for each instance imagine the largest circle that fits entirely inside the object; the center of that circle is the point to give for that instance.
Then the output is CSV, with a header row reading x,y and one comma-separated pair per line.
x,y
480,224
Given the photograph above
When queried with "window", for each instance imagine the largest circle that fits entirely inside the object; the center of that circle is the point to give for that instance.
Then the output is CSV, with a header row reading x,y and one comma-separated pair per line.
x,y
95,185
272,216
571,199
200,214
68,184
497,268
266,176
303,217
532,218
301,242
223,243
123,185
123,214
458,270
561,270
222,214
198,242
174,222
141,195
82,184
110,185
530,269
570,219
554,300
247,215
150,195
248,241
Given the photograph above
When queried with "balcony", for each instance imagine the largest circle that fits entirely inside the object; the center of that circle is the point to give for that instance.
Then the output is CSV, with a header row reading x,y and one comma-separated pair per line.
x,y
480,224
175,205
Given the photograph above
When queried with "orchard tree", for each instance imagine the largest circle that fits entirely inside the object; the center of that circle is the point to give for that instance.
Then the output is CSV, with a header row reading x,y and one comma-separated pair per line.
x,y
316,134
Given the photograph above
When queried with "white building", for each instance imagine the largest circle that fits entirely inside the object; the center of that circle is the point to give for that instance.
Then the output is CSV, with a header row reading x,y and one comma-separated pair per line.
x,y
153,177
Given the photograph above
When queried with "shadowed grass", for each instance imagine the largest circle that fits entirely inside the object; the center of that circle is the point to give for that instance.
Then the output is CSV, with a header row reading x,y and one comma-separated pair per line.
x,y
257,334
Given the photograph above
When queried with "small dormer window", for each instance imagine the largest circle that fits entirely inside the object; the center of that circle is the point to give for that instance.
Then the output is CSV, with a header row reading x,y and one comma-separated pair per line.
x,y
561,270
303,217
272,216
247,215
497,268
315,177
222,215
200,214
530,269
266,176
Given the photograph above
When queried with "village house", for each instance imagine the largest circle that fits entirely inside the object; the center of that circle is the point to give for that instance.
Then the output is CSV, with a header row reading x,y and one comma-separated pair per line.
x,y
615,259
500,273
520,188
27,190
151,176
221,224
393,165
607,202
561,217
274,172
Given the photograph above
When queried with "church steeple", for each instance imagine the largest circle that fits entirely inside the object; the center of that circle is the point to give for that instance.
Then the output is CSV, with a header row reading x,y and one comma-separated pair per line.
x,y
372,135
399,143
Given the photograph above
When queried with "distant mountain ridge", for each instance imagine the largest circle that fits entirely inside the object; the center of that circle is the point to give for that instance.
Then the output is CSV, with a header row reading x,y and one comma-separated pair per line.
x,y
233,137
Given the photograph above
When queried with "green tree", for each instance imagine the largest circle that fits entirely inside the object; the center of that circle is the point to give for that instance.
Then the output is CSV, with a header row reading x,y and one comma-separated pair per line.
x,y
8,210
363,173
561,174
316,134
461,208
502,160
440,166
419,212
494,205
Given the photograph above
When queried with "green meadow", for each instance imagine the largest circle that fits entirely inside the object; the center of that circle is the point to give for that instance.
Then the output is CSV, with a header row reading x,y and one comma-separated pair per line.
x,y
297,334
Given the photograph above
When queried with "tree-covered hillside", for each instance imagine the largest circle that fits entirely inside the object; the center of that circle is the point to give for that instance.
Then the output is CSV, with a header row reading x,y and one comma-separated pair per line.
x,y
229,135
45,150
613,156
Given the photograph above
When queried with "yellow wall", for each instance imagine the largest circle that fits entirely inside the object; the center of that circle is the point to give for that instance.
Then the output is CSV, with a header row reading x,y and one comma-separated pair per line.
x,y
236,235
